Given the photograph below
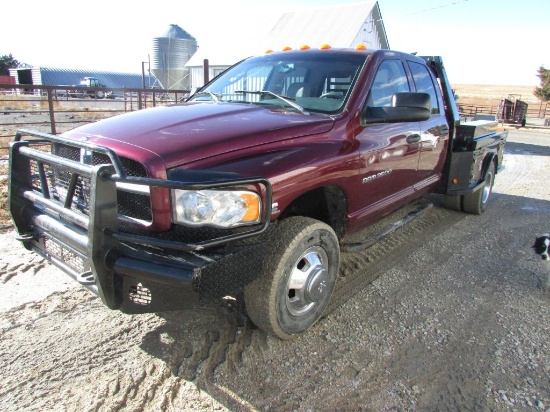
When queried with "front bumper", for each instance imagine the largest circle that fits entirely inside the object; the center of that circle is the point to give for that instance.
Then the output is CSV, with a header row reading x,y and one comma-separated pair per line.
x,y
134,273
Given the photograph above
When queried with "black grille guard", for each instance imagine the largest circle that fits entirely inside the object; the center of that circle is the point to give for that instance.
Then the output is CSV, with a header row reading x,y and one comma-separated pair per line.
x,y
103,175
96,237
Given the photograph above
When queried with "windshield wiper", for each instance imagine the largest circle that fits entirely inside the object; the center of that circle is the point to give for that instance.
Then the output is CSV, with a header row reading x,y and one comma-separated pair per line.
x,y
283,98
215,97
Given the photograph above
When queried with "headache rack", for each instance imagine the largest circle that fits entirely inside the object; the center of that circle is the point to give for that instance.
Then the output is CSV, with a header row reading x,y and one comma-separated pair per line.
x,y
65,200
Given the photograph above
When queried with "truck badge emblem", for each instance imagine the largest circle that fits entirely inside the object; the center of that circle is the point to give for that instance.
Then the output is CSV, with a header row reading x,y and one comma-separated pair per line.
x,y
376,176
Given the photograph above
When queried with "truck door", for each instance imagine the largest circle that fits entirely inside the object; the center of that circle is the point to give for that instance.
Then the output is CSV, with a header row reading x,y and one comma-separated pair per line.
x,y
389,151
434,132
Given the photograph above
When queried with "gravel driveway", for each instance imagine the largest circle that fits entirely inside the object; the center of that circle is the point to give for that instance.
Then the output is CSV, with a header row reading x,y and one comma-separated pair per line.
x,y
447,314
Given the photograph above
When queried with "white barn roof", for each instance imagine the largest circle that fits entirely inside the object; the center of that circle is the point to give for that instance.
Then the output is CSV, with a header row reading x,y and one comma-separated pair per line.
x,y
339,26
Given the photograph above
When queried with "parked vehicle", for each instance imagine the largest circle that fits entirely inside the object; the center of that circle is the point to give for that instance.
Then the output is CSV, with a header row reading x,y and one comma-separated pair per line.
x,y
246,191
513,110
86,88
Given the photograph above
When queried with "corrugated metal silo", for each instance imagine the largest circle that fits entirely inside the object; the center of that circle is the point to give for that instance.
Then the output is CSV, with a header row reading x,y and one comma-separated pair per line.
x,y
171,52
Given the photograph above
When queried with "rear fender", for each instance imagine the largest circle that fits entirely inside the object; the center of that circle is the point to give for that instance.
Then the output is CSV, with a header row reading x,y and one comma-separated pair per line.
x,y
489,158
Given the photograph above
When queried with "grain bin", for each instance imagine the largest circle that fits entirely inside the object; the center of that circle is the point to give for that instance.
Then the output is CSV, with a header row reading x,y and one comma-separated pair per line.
x,y
171,52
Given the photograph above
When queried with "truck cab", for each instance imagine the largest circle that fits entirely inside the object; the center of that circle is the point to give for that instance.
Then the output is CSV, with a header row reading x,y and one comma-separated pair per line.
x,y
90,82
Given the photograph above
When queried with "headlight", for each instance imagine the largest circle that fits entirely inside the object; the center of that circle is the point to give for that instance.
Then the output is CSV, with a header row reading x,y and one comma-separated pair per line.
x,y
219,208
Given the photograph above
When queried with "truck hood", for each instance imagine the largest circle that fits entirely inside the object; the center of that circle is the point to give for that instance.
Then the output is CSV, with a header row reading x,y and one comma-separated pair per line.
x,y
189,132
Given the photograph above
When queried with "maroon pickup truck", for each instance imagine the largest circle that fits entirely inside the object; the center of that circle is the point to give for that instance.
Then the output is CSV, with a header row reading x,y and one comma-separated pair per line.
x,y
247,190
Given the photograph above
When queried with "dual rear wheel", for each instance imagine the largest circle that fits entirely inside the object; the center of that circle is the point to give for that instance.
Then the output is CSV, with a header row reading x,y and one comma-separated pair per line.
x,y
476,202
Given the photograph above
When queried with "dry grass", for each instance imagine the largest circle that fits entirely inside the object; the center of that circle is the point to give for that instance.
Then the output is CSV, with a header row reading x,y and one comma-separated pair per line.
x,y
490,95
11,102
33,103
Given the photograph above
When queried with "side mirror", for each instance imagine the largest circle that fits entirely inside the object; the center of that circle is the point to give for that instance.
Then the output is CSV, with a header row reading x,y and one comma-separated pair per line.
x,y
406,107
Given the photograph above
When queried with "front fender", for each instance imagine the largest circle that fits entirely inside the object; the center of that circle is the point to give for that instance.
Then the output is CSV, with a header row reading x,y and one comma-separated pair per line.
x,y
293,169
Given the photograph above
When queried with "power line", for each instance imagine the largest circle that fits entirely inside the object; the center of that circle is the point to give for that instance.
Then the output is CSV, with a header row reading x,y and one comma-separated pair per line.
x,y
436,7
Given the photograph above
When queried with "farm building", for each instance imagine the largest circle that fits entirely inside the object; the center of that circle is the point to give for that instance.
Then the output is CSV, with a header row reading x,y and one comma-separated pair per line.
x,y
178,62
171,51
51,76
344,25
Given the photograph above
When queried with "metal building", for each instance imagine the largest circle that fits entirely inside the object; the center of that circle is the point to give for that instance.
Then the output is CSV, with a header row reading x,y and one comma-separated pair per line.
x,y
344,25
171,52
52,76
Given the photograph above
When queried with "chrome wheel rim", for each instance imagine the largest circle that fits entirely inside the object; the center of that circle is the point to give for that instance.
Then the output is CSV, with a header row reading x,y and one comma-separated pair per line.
x,y
488,187
308,281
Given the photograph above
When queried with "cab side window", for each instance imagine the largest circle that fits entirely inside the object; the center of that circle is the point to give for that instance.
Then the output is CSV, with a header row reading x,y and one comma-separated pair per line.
x,y
424,83
390,79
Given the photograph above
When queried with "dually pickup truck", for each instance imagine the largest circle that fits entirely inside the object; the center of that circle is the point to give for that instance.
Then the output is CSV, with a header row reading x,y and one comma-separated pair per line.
x,y
247,190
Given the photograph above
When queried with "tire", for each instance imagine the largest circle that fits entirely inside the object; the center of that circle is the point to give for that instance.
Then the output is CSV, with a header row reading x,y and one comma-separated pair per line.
x,y
476,203
453,202
297,279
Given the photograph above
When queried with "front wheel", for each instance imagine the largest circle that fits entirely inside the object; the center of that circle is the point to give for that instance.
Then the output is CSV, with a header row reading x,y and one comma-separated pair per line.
x,y
476,203
298,277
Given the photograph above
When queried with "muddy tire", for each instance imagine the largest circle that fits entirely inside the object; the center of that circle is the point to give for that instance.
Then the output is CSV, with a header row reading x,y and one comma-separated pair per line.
x,y
453,202
476,203
297,279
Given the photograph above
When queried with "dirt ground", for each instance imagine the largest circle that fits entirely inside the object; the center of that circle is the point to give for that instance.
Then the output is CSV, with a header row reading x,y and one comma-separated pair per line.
x,y
449,313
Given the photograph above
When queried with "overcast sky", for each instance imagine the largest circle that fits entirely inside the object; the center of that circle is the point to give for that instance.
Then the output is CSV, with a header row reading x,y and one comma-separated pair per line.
x,y
481,41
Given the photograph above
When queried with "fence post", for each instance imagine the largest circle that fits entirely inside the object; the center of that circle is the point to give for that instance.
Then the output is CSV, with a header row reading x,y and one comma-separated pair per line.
x,y
206,71
49,93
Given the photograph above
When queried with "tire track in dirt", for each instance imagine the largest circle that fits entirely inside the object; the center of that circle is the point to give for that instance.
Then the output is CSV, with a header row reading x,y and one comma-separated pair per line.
x,y
103,337
359,269
100,337
8,269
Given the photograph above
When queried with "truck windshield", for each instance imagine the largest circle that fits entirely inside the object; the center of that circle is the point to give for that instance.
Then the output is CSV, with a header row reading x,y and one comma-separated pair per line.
x,y
298,81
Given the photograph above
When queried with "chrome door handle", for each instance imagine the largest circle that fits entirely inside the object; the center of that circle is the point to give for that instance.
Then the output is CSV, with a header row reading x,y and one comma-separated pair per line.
x,y
413,138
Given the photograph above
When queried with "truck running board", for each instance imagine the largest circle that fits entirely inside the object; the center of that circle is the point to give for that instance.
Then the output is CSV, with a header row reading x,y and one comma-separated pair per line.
x,y
362,246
